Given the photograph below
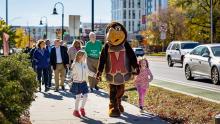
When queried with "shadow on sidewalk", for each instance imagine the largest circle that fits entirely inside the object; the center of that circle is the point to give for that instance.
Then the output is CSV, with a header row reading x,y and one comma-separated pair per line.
x,y
143,118
101,93
52,96
88,120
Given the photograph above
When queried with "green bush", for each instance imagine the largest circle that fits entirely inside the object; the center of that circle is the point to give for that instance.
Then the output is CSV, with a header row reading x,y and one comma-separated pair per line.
x,y
17,86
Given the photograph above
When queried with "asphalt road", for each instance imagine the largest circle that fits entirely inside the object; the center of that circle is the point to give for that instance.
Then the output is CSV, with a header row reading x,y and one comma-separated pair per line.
x,y
175,74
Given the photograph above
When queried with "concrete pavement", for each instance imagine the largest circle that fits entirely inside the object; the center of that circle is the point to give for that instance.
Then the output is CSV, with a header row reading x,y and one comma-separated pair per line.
x,y
57,107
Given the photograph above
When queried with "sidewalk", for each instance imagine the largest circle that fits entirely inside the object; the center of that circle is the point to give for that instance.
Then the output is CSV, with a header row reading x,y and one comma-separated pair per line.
x,y
57,107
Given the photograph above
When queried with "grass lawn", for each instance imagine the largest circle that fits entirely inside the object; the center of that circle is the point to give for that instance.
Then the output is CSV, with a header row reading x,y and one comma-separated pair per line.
x,y
171,106
158,54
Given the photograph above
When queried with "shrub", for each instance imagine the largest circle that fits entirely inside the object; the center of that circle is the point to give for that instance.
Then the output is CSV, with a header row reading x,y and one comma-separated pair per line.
x,y
17,86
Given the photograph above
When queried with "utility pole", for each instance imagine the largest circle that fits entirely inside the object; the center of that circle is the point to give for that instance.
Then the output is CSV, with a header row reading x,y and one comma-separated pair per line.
x,y
6,12
211,21
92,15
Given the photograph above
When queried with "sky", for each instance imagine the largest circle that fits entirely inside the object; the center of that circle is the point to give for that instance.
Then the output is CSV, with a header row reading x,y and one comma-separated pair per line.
x,y
29,12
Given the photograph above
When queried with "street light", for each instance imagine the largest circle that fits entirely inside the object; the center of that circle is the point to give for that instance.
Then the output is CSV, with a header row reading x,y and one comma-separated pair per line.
x,y
6,12
211,15
41,23
92,15
55,13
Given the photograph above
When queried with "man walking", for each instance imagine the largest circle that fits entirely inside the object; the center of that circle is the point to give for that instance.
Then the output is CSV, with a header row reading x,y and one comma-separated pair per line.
x,y
59,60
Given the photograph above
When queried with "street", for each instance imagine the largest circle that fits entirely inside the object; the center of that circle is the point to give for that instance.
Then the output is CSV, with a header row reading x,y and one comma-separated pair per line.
x,y
161,71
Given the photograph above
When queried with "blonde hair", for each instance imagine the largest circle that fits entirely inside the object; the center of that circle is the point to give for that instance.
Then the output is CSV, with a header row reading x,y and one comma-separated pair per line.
x,y
76,41
79,55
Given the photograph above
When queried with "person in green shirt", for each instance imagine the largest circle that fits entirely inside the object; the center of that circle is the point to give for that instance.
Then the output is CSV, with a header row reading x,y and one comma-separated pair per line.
x,y
93,50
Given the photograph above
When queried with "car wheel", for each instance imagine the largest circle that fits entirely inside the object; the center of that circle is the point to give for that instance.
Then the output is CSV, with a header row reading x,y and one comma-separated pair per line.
x,y
170,63
188,73
215,76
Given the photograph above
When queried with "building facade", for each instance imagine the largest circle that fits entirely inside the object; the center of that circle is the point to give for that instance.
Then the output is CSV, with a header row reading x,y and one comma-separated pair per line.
x,y
132,13
129,13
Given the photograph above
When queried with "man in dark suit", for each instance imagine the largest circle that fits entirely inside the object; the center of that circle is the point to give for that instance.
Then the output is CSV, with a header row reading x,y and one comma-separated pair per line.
x,y
59,60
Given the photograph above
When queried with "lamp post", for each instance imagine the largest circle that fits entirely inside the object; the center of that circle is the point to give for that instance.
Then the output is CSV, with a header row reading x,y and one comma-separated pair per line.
x,y
92,15
55,13
41,23
211,22
6,12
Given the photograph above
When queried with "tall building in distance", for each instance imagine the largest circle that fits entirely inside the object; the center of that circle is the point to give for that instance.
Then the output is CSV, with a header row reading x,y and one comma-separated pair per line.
x,y
155,6
128,13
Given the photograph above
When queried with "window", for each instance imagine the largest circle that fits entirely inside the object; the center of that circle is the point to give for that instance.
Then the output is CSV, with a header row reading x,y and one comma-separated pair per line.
x,y
133,14
177,46
129,14
129,3
139,14
174,46
129,26
139,4
124,23
132,26
197,51
216,51
124,3
124,14
189,45
205,50
132,3
168,48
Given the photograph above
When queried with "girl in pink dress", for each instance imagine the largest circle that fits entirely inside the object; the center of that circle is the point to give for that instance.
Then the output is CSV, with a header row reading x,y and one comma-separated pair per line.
x,y
142,81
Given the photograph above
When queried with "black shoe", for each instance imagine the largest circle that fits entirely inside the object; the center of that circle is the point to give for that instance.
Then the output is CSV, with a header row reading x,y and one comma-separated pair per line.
x,y
56,90
91,90
63,88
46,89
96,87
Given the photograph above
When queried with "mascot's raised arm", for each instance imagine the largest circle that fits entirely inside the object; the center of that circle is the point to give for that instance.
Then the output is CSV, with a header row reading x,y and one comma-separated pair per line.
x,y
118,59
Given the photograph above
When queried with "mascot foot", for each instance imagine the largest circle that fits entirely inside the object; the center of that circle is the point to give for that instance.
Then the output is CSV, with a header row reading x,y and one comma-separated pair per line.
x,y
114,112
121,108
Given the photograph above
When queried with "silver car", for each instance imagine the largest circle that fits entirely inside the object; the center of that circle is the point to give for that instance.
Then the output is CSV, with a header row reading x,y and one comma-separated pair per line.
x,y
203,61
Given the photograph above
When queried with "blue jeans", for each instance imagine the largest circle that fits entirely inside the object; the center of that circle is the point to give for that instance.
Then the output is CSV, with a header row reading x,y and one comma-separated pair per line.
x,y
45,76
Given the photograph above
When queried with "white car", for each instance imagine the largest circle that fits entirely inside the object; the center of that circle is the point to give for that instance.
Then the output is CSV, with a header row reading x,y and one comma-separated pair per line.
x,y
203,61
177,50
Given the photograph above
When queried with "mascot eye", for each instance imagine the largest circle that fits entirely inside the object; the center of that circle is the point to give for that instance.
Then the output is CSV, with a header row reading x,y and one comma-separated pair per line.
x,y
118,28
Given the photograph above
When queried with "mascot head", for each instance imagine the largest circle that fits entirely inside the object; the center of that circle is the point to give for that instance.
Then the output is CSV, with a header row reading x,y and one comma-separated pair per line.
x,y
116,34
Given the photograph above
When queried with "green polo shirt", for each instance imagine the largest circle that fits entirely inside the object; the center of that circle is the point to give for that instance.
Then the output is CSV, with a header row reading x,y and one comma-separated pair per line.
x,y
93,50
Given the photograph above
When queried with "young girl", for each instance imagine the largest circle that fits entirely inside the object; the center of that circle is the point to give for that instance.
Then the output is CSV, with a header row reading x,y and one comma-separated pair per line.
x,y
142,81
80,79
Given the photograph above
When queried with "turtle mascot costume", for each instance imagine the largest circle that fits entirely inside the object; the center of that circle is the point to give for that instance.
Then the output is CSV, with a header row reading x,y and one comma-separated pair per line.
x,y
118,60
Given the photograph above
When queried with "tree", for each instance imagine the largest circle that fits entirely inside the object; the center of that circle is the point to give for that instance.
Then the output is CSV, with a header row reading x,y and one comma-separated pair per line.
x,y
22,40
198,12
4,28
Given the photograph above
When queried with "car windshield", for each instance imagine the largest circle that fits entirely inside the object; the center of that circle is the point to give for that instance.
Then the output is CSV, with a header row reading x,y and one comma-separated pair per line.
x,y
189,45
216,51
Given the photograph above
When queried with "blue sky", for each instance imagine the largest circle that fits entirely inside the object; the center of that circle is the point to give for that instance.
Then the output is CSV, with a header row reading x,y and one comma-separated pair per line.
x,y
29,12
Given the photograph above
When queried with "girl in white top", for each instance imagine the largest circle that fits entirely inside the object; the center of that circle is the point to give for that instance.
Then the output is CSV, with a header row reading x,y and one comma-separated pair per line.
x,y
80,79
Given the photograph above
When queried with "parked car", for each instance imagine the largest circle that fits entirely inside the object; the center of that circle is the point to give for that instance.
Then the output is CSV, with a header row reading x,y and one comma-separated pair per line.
x,y
138,51
177,50
203,61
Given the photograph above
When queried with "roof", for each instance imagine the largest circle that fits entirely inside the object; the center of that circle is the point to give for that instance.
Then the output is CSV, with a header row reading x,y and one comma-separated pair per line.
x,y
211,45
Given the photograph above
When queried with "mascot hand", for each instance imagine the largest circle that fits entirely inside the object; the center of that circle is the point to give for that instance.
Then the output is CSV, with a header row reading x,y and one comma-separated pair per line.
x,y
98,76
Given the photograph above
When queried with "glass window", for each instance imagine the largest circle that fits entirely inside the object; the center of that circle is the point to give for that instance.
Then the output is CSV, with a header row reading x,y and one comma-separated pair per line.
x,y
133,14
129,14
129,26
132,25
168,48
139,4
124,23
129,3
189,45
174,46
216,51
124,3
177,46
205,50
124,14
197,51
132,3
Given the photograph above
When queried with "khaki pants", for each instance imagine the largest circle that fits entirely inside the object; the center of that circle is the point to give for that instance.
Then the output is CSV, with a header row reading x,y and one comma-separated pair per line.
x,y
59,75
92,65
